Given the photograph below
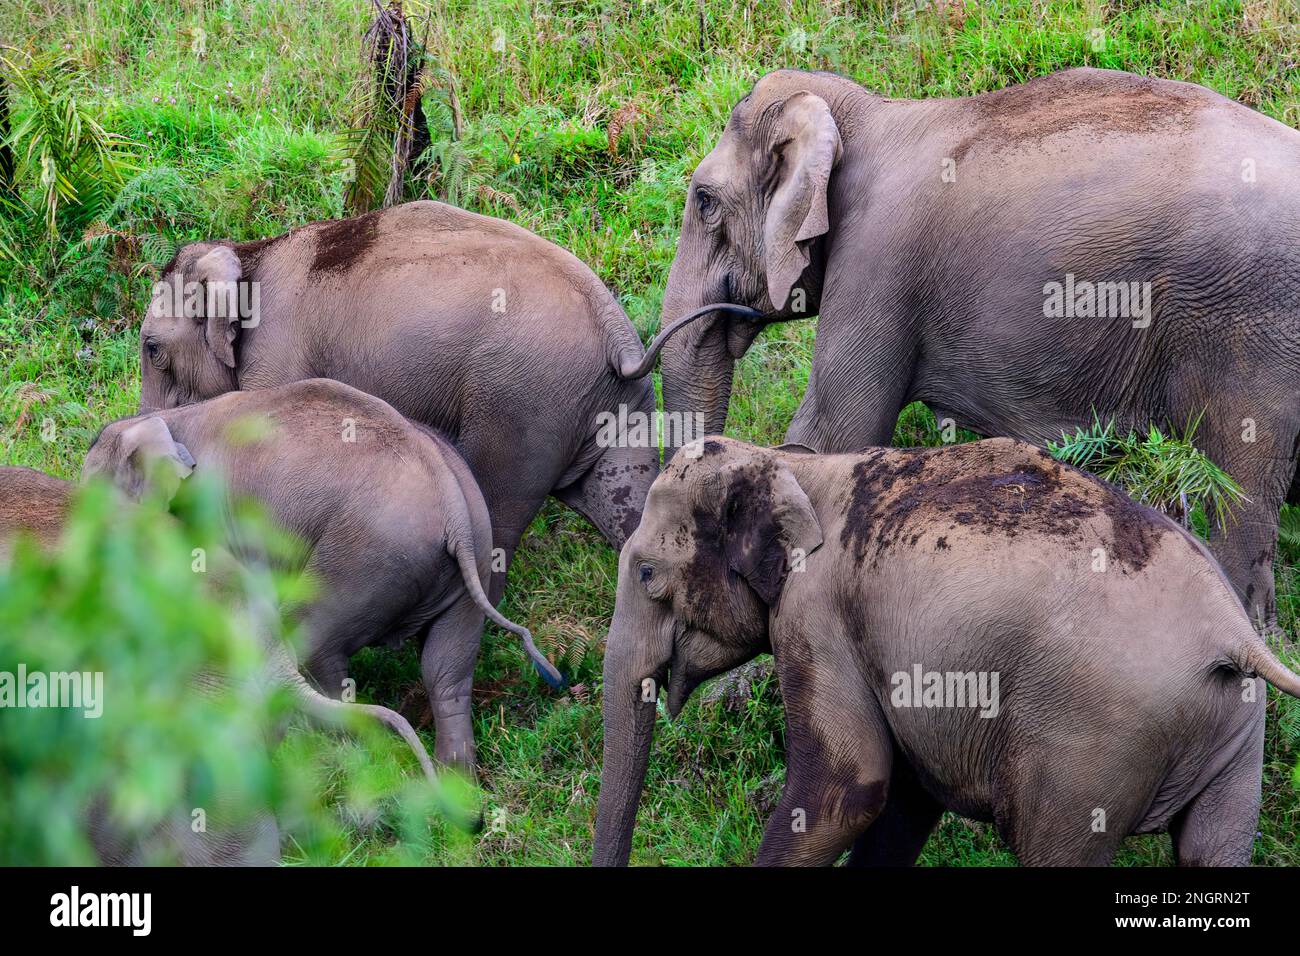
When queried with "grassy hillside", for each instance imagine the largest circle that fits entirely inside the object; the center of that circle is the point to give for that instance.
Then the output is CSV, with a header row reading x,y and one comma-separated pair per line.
x,y
582,121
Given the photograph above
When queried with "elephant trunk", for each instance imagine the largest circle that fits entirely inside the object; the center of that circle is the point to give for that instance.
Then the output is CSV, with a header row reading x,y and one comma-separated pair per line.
x,y
700,344
629,712
697,370
282,670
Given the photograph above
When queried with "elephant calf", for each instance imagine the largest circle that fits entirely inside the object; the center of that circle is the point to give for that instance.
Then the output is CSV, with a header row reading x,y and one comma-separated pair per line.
x,y
975,628
396,530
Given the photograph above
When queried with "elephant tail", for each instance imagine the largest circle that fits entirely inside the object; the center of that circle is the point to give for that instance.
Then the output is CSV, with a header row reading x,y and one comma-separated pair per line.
x,y
623,348
639,363
463,551
1254,658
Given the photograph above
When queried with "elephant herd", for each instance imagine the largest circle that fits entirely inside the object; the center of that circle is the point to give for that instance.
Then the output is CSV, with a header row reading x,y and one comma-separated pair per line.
x,y
975,628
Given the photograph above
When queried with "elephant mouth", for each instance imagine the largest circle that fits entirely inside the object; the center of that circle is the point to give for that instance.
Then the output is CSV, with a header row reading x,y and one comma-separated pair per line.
x,y
679,690
682,679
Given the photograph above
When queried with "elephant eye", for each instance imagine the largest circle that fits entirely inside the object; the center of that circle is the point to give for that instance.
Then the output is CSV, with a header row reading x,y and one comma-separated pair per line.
x,y
646,573
157,358
708,205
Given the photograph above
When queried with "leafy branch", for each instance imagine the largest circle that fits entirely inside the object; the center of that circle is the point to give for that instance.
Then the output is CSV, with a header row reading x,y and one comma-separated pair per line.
x,y
58,144
1167,472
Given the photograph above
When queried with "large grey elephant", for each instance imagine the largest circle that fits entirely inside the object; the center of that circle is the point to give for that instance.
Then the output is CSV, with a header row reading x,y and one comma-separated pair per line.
x,y
501,340
394,527
976,628
38,505
1088,242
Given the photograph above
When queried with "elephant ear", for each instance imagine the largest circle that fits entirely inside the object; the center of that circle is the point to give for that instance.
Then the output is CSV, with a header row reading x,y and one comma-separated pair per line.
x,y
768,523
219,272
149,457
807,146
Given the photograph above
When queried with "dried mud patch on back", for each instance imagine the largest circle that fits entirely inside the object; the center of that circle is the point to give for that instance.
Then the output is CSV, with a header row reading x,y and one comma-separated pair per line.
x,y
34,502
898,497
1026,114
314,415
340,244
1133,533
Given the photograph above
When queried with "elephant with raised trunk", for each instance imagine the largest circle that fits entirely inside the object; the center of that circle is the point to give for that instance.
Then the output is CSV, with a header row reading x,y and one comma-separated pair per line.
x,y
1106,676
1088,242
499,339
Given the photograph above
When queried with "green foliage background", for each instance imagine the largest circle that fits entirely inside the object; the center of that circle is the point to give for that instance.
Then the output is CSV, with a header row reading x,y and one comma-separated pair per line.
x,y
583,121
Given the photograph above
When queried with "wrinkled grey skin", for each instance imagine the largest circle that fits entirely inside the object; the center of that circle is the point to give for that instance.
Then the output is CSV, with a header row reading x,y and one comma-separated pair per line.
x,y
934,290
37,504
1131,691
504,342
396,532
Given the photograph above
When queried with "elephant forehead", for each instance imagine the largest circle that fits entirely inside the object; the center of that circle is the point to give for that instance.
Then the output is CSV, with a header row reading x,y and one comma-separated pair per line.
x,y
667,507
721,165
679,520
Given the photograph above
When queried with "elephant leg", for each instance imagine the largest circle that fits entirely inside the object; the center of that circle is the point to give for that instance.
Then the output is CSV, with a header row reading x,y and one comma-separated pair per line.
x,y
898,835
354,609
447,666
514,473
853,400
612,492
327,670
838,765
1265,469
1218,827
510,519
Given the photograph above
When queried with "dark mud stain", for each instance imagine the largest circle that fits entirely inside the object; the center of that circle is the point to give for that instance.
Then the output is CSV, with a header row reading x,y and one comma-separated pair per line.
x,y
680,464
706,572
629,521
1134,531
974,487
341,243
753,539
742,540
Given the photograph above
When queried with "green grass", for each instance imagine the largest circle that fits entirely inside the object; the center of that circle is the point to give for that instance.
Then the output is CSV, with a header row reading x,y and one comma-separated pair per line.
x,y
246,140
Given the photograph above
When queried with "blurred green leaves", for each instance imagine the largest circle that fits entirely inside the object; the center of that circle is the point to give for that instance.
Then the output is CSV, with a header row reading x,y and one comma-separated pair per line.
x,y
191,720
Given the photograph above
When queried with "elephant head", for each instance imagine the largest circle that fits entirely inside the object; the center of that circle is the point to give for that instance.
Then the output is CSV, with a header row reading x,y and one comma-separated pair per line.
x,y
189,334
696,583
137,456
755,212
